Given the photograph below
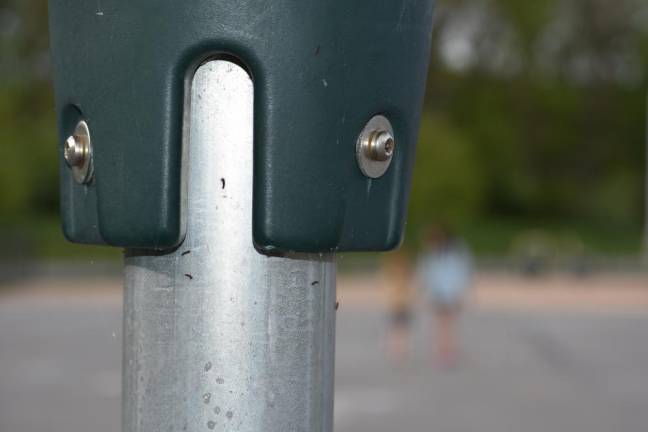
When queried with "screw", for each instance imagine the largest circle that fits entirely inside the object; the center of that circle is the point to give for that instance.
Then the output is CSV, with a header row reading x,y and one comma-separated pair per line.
x,y
75,152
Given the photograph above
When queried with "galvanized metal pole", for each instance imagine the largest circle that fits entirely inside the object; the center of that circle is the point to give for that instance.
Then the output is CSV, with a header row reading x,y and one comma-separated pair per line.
x,y
216,335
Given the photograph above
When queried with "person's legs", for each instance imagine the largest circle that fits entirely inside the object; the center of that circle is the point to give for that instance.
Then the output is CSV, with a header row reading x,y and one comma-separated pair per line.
x,y
446,329
397,336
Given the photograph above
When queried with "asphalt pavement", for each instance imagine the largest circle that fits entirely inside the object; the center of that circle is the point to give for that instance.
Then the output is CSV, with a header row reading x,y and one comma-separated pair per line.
x,y
564,370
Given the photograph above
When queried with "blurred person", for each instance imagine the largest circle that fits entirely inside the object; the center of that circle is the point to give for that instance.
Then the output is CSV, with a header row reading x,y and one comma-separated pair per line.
x,y
397,270
445,272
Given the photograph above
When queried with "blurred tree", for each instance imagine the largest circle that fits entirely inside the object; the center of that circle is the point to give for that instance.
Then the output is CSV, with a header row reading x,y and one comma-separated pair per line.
x,y
549,96
448,181
27,124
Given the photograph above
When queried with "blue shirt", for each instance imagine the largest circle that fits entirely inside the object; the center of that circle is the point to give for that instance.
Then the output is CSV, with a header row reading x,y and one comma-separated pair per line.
x,y
445,274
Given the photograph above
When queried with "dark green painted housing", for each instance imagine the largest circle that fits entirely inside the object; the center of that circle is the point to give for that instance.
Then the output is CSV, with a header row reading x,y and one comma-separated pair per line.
x,y
321,70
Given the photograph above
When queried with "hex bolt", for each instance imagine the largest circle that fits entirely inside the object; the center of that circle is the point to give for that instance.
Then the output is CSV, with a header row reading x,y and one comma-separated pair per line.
x,y
77,152
375,147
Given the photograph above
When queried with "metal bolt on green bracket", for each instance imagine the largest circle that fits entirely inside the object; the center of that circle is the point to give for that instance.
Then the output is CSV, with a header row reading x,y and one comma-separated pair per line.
x,y
375,147
77,152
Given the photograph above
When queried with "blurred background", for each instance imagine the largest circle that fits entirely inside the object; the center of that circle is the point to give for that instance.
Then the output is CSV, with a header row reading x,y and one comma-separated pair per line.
x,y
532,160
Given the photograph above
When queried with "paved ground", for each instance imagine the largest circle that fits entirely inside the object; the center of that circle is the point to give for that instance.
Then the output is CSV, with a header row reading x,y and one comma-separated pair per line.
x,y
570,365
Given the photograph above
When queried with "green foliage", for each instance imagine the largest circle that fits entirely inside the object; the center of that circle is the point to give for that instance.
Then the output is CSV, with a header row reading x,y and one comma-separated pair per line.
x,y
447,181
553,137
27,127
549,149
28,151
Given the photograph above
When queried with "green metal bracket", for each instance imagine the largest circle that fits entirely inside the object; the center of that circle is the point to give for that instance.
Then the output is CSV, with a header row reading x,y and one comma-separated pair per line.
x,y
321,70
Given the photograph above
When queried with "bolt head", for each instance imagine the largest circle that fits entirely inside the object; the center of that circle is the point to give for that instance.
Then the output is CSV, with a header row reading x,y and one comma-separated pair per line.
x,y
375,147
74,152
77,152
381,145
